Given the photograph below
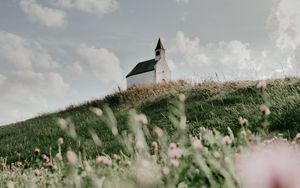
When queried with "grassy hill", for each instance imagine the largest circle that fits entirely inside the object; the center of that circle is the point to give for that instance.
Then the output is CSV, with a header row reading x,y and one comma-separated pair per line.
x,y
211,104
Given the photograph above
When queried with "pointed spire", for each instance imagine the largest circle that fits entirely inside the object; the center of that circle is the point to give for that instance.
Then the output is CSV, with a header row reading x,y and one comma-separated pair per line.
x,y
159,45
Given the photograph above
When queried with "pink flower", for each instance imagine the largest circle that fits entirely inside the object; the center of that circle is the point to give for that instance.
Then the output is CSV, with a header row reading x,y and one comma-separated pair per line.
x,y
172,146
197,144
174,152
147,173
269,166
154,146
46,159
37,172
103,160
72,157
227,140
265,110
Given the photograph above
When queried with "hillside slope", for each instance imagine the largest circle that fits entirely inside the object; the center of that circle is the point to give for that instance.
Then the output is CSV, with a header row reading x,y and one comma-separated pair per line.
x,y
211,104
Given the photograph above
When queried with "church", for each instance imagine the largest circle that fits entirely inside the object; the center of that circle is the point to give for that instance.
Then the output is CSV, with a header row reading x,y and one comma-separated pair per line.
x,y
151,71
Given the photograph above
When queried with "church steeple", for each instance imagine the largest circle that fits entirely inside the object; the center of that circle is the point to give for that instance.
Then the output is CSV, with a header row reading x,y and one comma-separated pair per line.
x,y
159,45
159,50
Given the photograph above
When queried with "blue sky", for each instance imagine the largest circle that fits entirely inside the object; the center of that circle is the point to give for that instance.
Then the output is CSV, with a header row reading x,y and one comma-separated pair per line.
x,y
59,52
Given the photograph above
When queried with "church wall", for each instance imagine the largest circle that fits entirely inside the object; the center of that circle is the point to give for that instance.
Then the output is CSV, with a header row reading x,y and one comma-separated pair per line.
x,y
140,79
163,72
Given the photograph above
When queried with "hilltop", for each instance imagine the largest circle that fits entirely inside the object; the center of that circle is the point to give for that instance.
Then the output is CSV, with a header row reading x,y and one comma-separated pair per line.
x,y
210,104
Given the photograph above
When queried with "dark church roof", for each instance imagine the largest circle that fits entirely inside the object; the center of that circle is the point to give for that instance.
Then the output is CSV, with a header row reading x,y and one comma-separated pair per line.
x,y
159,45
142,67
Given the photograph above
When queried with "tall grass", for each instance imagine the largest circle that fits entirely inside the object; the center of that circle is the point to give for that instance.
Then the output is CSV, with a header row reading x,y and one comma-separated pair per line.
x,y
151,156
211,105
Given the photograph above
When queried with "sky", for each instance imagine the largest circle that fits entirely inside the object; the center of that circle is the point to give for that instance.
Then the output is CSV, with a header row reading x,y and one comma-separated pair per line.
x,y
54,53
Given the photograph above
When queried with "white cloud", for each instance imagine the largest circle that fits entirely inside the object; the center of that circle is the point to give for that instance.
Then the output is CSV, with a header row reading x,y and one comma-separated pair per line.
x,y
99,7
43,15
104,64
182,1
24,53
29,78
76,68
26,92
285,22
2,79
226,53
232,59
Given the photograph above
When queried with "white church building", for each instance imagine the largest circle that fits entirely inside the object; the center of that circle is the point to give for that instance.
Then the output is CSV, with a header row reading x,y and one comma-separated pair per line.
x,y
151,71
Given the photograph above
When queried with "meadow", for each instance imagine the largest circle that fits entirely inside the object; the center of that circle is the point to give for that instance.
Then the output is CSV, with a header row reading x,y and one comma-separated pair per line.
x,y
168,135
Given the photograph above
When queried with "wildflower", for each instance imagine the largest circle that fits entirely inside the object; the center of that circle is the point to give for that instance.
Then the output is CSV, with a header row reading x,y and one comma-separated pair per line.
x,y
97,111
147,173
216,155
158,131
182,97
116,157
127,163
262,84
174,152
265,110
142,119
63,123
60,141
165,171
227,140
52,166
72,157
58,157
37,172
37,151
175,162
172,146
85,163
46,159
297,137
10,184
154,146
103,160
274,165
182,185
243,121
197,144
205,150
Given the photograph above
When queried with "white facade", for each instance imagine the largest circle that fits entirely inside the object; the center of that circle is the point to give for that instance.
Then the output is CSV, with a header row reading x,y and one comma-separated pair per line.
x,y
141,79
162,71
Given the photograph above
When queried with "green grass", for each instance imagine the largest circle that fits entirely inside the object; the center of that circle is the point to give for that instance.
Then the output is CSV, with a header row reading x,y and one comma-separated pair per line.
x,y
211,104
